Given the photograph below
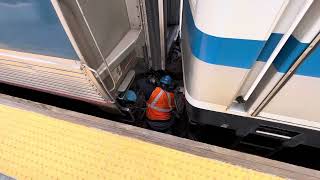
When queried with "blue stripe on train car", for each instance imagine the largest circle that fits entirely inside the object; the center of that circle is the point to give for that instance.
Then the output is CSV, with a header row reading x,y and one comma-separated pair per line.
x,y
288,54
32,26
270,46
240,53
311,65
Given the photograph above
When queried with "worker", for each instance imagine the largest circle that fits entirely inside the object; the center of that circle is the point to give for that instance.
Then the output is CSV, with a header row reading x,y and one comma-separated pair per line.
x,y
160,105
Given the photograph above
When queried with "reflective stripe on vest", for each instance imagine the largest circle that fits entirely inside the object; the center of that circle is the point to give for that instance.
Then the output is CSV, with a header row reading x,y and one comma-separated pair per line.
x,y
153,104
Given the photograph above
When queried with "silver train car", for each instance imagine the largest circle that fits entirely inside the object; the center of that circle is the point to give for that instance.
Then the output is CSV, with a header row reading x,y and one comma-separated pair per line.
x,y
62,47
86,50
254,67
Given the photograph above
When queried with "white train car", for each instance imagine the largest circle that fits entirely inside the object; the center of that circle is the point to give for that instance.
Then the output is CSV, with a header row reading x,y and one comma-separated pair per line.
x,y
253,67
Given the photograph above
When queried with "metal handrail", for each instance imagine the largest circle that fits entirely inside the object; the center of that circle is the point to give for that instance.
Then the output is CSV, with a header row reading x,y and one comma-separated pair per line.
x,y
97,46
287,75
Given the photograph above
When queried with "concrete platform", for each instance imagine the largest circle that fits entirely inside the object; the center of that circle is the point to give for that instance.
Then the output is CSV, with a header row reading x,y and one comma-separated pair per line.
x,y
38,141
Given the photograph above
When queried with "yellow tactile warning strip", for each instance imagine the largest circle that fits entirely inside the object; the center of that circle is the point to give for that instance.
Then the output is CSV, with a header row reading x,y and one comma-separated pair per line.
x,y
34,146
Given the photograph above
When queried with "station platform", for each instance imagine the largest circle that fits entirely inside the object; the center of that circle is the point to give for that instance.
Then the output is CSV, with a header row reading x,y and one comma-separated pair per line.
x,y
43,142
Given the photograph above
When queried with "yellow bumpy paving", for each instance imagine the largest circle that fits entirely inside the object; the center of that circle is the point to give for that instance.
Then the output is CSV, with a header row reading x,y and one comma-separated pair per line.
x,y
34,146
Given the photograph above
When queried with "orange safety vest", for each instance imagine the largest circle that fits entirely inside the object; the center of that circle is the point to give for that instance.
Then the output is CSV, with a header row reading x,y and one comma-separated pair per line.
x,y
160,105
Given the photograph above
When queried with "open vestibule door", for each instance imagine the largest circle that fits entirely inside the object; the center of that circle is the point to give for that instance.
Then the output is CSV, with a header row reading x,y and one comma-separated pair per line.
x,y
108,37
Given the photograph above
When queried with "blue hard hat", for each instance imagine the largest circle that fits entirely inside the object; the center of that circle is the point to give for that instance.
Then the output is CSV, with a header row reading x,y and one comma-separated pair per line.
x,y
130,96
167,80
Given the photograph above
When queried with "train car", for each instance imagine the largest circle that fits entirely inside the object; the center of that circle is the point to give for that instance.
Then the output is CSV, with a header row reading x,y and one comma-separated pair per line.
x,y
78,49
253,67
85,50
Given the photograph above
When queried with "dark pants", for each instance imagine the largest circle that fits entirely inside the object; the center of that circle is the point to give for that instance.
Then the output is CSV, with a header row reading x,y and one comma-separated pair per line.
x,y
161,126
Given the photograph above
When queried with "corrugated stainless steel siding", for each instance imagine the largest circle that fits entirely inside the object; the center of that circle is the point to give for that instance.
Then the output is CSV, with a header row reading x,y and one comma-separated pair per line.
x,y
55,81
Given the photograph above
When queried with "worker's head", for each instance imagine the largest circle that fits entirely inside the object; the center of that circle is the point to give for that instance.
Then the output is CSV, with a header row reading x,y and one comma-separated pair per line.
x,y
166,81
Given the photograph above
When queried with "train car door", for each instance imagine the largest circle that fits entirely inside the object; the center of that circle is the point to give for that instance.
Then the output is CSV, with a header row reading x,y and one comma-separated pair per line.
x,y
36,53
104,35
